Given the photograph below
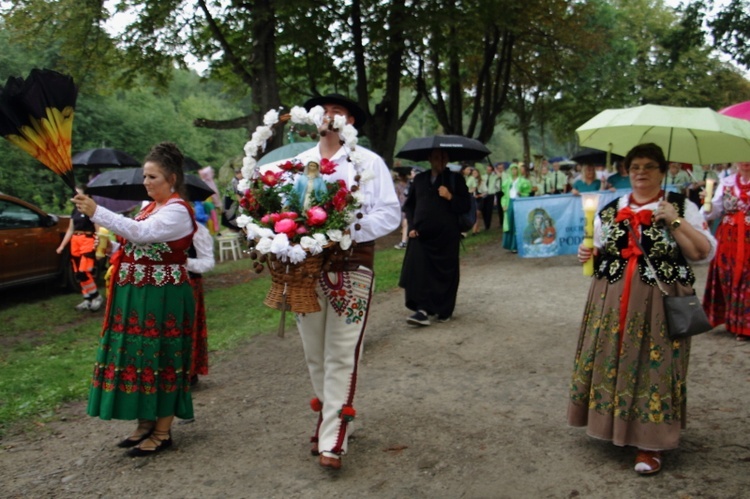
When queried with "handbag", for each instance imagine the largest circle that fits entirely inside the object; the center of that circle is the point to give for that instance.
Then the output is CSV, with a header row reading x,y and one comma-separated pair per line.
x,y
684,314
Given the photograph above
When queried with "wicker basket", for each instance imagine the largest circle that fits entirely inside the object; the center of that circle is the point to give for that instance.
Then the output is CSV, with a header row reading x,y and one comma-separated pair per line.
x,y
293,285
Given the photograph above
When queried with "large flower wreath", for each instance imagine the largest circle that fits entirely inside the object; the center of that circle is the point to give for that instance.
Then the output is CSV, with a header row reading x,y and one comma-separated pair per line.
x,y
284,216
291,216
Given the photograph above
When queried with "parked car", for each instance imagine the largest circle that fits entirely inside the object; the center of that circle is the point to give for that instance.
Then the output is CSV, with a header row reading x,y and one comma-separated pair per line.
x,y
29,238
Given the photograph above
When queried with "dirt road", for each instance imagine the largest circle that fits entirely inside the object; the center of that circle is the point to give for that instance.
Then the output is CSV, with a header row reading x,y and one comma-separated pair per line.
x,y
473,408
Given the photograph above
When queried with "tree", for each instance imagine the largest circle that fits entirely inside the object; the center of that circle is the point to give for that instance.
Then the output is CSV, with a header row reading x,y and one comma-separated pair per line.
x,y
731,30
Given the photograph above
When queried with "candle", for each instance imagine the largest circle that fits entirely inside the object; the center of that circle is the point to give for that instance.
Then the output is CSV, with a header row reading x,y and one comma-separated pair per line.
x,y
590,204
709,195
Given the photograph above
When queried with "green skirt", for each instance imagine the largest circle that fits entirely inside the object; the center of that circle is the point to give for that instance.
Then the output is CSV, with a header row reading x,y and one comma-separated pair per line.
x,y
142,368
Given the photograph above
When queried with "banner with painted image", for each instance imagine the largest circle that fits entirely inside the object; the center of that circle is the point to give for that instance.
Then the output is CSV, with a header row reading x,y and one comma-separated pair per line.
x,y
552,225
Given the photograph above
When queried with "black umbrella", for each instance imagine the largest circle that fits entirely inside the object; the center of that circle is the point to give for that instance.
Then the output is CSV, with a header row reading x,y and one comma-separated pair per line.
x,y
128,184
588,156
190,165
459,148
104,157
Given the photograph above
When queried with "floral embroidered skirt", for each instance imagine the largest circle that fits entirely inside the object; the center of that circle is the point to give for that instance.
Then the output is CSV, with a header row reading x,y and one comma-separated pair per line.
x,y
634,394
143,362
725,301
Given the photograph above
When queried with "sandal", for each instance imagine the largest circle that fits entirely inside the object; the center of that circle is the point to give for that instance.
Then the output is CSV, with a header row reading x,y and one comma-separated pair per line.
x,y
159,439
647,462
142,432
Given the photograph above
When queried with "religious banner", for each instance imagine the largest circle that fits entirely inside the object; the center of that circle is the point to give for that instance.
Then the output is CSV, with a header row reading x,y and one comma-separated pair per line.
x,y
552,225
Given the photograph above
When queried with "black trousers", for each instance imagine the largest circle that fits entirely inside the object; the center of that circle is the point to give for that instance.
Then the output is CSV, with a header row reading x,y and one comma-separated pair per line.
x,y
486,206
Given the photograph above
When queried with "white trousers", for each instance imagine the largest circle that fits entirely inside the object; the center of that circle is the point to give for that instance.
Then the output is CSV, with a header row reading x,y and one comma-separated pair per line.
x,y
332,340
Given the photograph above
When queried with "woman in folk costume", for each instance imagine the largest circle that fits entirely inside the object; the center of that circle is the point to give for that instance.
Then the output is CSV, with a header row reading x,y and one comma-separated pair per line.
x,y
142,369
200,260
629,377
333,338
514,185
727,296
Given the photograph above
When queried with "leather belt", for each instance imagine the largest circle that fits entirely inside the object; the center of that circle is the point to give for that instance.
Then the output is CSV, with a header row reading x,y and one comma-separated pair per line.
x,y
339,260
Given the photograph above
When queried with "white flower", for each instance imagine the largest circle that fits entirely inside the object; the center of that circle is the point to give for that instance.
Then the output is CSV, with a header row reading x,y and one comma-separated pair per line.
x,y
320,238
280,244
271,118
265,232
243,185
315,115
349,135
242,221
366,176
334,235
359,197
311,244
262,134
339,122
296,254
298,115
346,242
248,168
264,245
252,146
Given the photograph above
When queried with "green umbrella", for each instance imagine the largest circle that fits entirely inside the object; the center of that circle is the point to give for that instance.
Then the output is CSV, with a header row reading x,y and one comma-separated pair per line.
x,y
693,135
285,152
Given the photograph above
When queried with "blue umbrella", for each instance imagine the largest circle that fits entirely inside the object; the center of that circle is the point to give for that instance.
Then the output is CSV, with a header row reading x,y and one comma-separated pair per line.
x,y
285,152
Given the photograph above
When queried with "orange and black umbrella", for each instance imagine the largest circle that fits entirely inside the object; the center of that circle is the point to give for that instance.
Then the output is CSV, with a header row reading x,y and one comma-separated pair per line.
x,y
36,114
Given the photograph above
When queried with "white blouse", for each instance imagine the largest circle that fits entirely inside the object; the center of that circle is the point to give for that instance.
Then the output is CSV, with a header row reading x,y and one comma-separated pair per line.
x,y
204,249
168,223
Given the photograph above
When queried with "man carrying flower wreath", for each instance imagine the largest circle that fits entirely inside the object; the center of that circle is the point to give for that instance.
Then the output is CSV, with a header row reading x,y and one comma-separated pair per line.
x,y
332,338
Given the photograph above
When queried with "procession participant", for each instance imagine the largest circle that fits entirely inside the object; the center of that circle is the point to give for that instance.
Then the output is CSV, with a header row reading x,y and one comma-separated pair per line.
x,y
200,260
558,180
678,177
514,185
82,236
698,176
727,297
430,273
332,338
492,185
620,179
143,362
629,377
588,181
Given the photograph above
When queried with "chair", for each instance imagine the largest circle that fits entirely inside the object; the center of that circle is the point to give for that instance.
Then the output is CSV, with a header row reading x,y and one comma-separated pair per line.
x,y
229,243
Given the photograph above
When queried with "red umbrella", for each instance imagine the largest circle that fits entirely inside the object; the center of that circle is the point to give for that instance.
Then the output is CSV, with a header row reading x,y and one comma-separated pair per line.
x,y
740,110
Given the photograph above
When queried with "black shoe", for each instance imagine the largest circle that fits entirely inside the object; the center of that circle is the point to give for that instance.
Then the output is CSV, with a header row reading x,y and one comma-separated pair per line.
x,y
128,442
419,319
162,444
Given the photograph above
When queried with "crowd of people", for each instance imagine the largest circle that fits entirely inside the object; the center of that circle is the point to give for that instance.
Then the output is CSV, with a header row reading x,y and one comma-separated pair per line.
x,y
629,378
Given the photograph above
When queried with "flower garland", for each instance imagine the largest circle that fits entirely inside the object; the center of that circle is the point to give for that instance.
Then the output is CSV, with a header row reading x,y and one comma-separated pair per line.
x,y
284,219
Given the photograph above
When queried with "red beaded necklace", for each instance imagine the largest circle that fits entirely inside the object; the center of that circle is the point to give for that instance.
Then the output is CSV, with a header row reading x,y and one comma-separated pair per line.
x,y
636,204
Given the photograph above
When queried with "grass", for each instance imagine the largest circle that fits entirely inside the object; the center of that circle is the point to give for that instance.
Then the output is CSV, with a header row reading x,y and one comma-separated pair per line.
x,y
48,348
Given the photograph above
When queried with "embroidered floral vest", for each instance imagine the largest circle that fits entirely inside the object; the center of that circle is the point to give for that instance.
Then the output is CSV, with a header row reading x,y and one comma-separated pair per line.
x,y
732,203
155,264
667,259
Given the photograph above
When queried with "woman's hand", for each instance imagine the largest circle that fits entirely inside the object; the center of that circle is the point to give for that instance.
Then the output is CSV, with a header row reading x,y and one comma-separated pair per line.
x,y
413,233
85,204
665,213
584,253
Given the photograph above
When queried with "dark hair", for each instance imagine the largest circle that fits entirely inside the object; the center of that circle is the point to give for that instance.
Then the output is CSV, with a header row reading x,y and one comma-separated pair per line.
x,y
650,151
169,157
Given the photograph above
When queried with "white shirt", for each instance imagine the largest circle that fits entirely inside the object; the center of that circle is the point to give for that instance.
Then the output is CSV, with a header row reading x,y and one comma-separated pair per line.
x,y
169,223
204,251
380,206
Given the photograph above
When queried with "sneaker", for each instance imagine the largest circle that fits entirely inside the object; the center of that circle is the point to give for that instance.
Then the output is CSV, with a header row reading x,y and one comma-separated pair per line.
x,y
96,303
419,319
84,305
401,245
444,319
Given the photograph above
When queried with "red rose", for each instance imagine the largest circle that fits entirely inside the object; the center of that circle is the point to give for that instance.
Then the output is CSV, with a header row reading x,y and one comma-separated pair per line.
x,y
266,219
275,217
270,178
288,166
285,226
301,230
316,216
340,199
288,214
327,166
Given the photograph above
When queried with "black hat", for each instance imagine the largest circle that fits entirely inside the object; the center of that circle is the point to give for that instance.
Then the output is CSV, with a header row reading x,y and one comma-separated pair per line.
x,y
355,111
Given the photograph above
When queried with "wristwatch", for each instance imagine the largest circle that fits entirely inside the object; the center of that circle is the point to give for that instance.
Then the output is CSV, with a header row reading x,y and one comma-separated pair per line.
x,y
675,224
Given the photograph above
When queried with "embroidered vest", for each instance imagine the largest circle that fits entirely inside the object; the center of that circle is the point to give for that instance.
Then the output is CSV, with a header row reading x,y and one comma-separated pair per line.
x,y
667,259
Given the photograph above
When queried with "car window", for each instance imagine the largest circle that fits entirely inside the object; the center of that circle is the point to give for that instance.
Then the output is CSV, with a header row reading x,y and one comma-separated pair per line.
x,y
14,216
